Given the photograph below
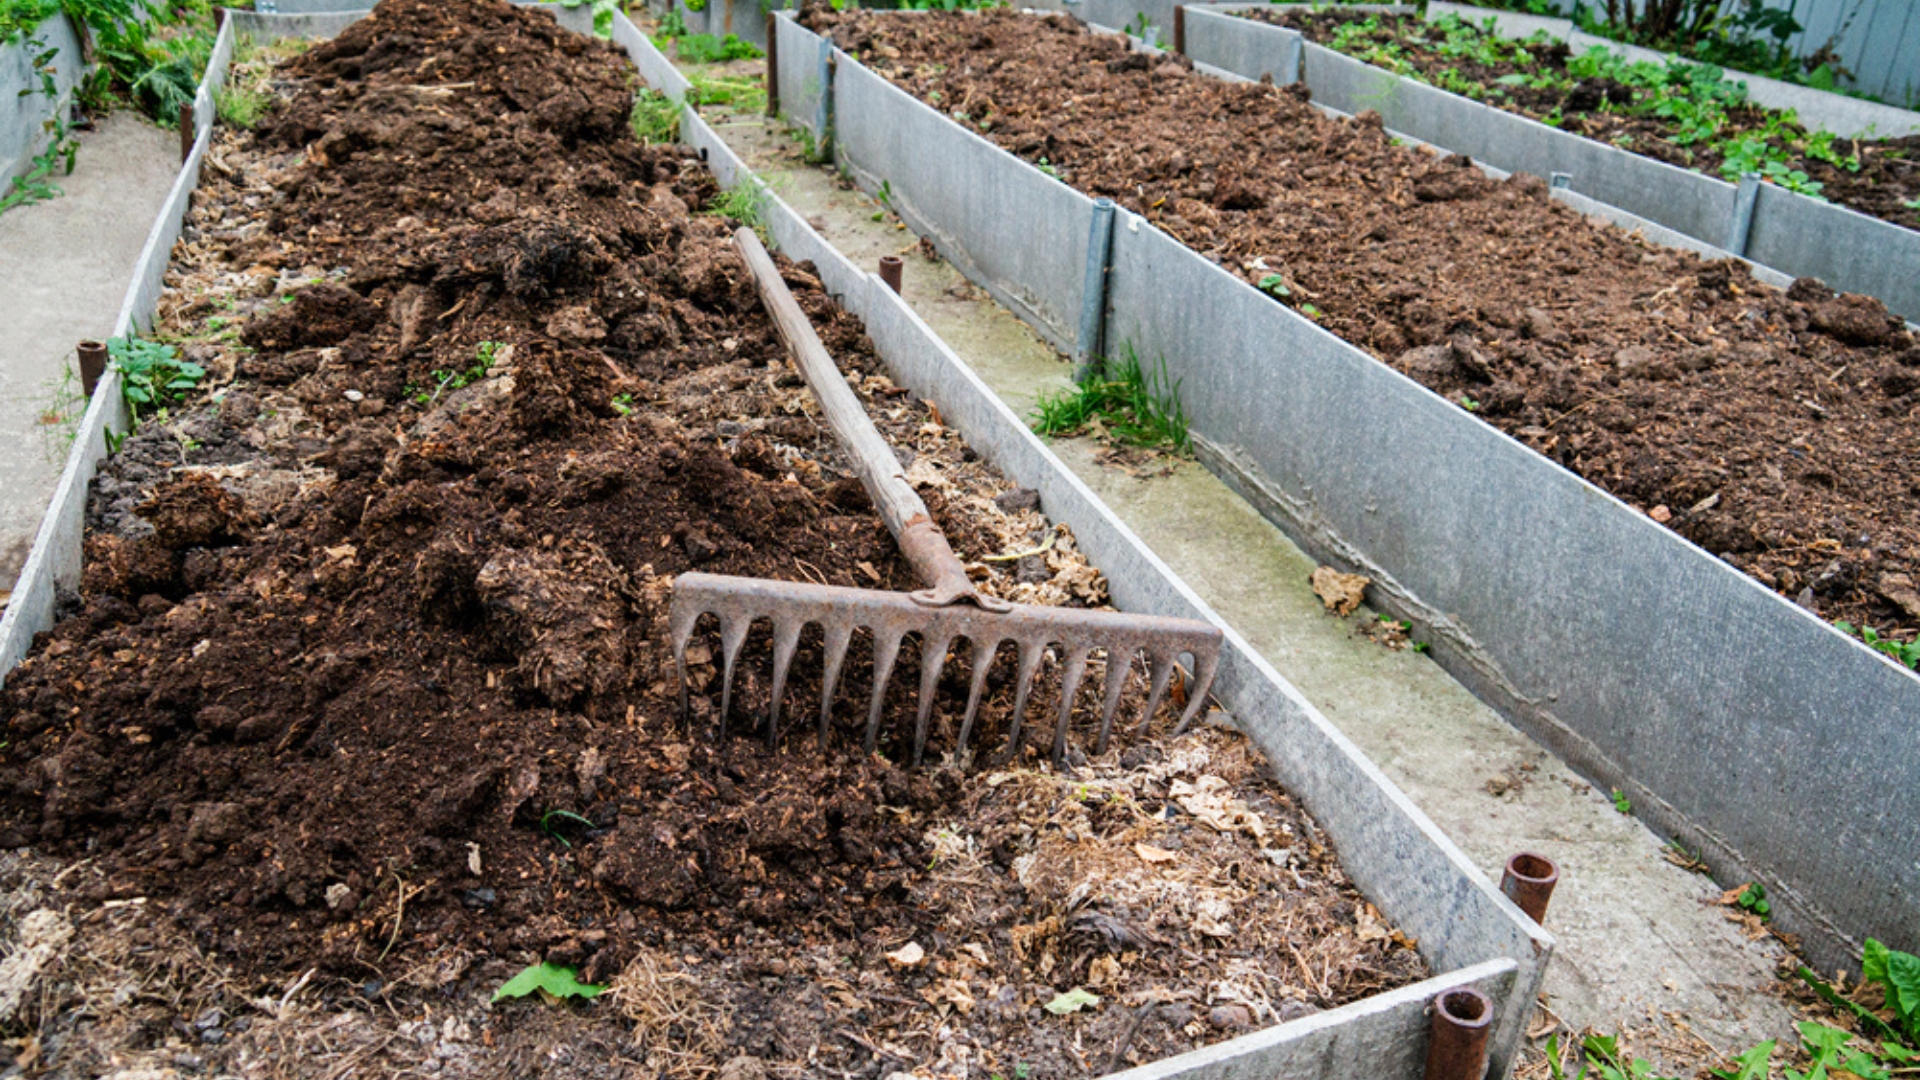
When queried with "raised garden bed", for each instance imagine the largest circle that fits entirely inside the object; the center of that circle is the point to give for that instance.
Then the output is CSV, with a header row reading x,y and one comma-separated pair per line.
x,y
1683,114
462,431
1685,387
1791,234
1599,631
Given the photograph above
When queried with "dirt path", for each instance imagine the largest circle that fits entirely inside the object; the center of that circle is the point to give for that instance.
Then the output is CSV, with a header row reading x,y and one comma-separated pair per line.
x,y
64,267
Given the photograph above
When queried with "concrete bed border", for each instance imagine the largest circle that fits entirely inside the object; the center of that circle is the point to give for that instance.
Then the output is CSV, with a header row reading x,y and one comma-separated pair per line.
x,y
1645,662
1469,932
1763,223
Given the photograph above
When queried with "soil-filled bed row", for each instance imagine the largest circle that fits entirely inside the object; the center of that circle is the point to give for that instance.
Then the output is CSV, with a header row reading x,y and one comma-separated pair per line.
x,y
1772,428
1690,122
368,674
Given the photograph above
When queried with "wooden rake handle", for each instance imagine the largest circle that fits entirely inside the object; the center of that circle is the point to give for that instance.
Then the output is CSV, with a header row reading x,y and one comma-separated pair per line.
x,y
921,541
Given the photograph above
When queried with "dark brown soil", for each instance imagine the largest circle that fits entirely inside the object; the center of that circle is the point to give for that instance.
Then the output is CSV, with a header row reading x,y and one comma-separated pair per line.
x,y
368,672
1772,428
1887,180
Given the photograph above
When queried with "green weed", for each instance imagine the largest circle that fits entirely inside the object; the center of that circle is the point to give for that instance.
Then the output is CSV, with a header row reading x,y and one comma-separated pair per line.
x,y
152,376
709,49
551,981
242,106
34,186
622,404
1753,899
602,13
1621,802
552,821
483,359
1692,99
743,95
1905,652
1127,403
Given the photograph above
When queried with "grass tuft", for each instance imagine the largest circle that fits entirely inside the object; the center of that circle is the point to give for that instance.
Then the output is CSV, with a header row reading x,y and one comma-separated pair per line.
x,y
745,204
655,118
1128,403
741,95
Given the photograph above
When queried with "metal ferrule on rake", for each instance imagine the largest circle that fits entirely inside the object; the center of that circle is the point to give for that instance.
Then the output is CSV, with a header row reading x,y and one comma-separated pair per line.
x,y
947,610
791,606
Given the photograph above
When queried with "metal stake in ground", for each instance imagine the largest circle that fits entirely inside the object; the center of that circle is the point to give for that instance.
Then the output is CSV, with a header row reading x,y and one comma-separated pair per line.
x,y
1457,1050
773,64
1529,882
187,132
890,269
944,612
93,364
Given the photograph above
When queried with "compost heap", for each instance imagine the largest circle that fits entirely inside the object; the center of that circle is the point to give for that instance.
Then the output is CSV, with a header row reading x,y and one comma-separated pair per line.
x,y
367,675
1773,428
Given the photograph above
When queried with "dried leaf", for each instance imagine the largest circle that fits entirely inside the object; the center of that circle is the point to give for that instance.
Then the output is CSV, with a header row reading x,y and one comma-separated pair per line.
x,y
910,955
1072,1001
1153,854
1341,593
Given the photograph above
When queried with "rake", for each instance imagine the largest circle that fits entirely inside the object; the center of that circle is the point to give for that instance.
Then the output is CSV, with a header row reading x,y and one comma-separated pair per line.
x,y
947,610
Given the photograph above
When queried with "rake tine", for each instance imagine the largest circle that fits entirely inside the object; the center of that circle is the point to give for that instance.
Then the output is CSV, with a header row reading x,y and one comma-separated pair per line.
x,y
933,657
1162,668
886,648
1030,655
1119,666
681,629
838,635
733,633
786,641
1069,685
1204,668
983,651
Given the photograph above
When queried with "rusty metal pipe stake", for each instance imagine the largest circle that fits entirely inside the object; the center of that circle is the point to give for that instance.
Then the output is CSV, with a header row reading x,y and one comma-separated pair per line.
x,y
773,64
1457,1050
187,132
890,266
219,19
1529,883
1180,29
93,364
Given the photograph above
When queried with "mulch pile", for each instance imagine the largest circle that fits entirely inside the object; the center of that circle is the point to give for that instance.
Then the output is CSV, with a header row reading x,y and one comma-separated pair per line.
x,y
368,673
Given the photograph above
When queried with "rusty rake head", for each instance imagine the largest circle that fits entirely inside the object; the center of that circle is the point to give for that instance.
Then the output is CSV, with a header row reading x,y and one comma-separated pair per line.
x,y
790,606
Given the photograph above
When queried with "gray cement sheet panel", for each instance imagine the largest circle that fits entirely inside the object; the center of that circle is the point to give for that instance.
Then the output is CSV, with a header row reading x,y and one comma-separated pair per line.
x,y
24,108
1382,1036
800,57
957,185
1846,249
745,19
1536,588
